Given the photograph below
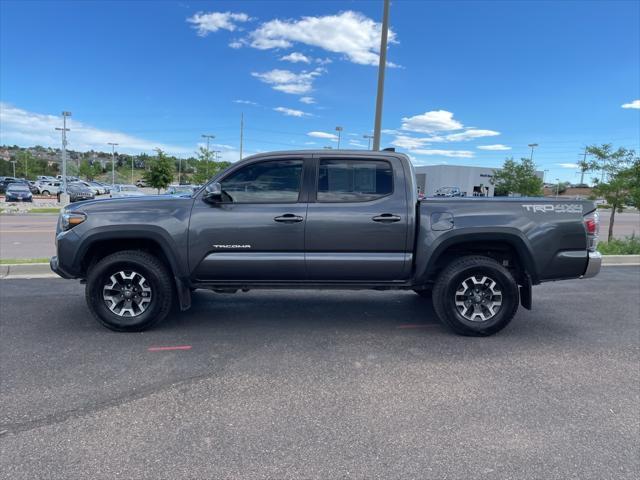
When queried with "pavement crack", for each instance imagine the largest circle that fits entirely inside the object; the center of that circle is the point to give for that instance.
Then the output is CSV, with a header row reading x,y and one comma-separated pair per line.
x,y
99,406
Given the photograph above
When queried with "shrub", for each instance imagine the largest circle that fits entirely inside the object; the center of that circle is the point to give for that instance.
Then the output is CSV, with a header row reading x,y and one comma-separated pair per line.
x,y
621,246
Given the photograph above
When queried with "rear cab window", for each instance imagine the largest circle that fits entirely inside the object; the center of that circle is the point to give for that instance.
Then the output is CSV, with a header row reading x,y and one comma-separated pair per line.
x,y
353,180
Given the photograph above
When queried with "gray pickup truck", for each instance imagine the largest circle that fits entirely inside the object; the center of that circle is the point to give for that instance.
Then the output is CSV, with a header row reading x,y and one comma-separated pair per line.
x,y
323,219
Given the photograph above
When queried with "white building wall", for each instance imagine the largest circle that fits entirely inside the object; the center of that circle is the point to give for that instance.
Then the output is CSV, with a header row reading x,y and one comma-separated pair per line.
x,y
432,177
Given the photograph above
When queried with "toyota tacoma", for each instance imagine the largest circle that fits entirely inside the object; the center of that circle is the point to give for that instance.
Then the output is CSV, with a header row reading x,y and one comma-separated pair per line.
x,y
323,219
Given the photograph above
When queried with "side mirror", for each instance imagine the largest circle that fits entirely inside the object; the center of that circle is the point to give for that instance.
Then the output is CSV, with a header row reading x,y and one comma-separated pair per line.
x,y
213,193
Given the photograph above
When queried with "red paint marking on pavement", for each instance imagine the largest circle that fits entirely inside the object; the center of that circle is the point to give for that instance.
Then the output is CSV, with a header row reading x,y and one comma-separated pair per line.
x,y
413,326
163,349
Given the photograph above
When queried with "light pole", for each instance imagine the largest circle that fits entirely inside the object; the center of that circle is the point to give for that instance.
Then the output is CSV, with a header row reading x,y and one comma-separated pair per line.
x,y
544,175
208,137
381,67
113,162
557,188
64,197
369,138
532,146
339,130
14,168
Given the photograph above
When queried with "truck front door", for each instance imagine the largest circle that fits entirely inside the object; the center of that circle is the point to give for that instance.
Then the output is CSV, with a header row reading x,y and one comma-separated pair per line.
x,y
256,232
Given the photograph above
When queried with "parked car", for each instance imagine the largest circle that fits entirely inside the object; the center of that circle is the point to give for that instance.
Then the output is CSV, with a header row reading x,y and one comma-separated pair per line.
x,y
141,182
105,187
18,192
5,182
78,191
126,191
49,188
45,178
33,187
181,189
354,222
450,192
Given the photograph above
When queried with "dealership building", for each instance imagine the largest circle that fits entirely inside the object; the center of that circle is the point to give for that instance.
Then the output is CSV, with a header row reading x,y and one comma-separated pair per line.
x,y
473,181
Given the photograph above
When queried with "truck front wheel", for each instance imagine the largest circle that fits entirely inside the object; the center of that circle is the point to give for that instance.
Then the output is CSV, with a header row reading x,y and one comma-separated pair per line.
x,y
129,291
475,296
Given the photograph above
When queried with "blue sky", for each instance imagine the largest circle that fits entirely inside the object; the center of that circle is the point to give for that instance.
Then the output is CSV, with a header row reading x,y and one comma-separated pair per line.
x,y
466,78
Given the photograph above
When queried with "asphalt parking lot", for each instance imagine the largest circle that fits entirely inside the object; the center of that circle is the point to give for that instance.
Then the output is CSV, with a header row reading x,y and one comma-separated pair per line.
x,y
322,384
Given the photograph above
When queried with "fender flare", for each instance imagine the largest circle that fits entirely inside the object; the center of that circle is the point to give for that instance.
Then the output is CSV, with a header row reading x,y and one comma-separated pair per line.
x,y
514,238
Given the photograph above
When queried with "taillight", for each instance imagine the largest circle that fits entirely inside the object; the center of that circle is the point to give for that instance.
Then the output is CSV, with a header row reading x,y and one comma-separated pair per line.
x,y
592,226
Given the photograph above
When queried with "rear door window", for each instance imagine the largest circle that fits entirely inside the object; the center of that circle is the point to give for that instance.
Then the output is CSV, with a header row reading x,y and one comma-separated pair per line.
x,y
354,180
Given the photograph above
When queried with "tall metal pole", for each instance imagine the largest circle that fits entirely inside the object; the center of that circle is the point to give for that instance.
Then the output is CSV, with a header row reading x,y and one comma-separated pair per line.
x,y
14,168
241,133
532,146
368,137
339,130
381,68
64,131
583,166
113,162
208,137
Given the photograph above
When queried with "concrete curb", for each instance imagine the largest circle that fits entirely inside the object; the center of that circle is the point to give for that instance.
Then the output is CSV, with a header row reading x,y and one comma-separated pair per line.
x,y
620,260
42,270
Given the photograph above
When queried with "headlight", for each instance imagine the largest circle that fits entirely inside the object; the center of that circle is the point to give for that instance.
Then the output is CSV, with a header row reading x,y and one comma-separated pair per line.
x,y
68,220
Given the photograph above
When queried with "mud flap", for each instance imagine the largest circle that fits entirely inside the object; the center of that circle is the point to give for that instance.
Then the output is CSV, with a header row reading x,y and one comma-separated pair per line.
x,y
184,294
526,297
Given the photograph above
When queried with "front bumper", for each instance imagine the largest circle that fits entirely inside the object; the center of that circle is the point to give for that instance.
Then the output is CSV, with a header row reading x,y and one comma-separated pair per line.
x,y
56,268
593,265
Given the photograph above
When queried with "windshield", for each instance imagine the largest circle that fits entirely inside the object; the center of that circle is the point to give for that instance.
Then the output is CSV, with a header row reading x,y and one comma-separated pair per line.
x,y
18,187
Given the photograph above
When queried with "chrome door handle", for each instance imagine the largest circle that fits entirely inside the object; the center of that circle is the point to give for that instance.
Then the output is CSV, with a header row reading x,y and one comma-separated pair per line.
x,y
387,218
288,218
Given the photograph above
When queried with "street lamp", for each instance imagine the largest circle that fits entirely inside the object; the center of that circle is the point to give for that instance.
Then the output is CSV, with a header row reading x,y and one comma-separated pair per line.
x,y
382,63
532,146
339,130
208,137
113,162
64,197
557,188
14,168
369,138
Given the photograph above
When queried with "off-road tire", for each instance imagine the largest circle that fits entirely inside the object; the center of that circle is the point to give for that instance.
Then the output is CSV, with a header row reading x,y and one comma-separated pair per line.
x,y
151,268
450,279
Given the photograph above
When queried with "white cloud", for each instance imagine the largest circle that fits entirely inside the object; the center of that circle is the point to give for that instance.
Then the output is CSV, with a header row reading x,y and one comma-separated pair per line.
x,y
635,104
296,57
429,122
389,131
410,143
236,44
246,102
290,112
26,128
310,143
470,135
289,82
206,23
568,165
496,147
444,153
325,135
307,100
349,33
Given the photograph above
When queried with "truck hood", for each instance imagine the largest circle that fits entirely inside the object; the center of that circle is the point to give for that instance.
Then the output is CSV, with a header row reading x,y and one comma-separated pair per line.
x,y
130,204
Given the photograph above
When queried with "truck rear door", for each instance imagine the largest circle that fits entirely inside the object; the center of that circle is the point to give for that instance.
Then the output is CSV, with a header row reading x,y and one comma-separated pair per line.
x,y
357,220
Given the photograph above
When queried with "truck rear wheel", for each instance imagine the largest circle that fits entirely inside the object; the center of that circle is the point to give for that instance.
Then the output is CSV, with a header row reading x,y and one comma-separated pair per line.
x,y
129,291
475,296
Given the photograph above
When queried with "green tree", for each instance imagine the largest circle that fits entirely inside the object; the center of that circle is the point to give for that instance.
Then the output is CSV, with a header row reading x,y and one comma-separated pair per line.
x,y
25,164
161,170
518,177
89,171
622,186
605,157
205,167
